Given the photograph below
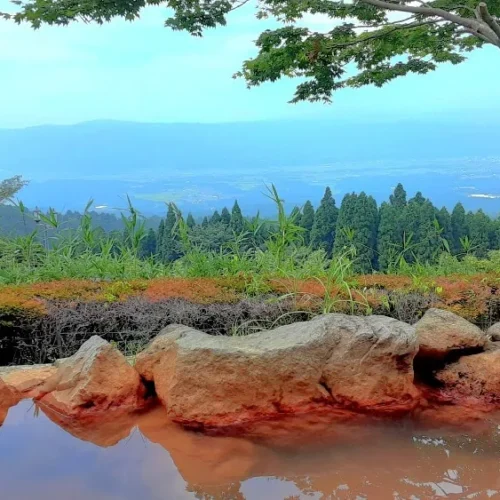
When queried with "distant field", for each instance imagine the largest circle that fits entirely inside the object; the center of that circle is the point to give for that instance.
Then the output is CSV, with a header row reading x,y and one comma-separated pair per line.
x,y
475,182
206,167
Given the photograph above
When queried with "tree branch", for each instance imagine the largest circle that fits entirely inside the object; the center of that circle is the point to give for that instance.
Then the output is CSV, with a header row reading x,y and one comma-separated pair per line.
x,y
484,15
472,24
243,2
466,31
378,26
381,35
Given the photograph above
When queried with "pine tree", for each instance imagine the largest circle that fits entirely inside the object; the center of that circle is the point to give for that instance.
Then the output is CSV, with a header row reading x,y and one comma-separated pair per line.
x,y
295,214
392,240
495,235
159,240
190,222
346,221
422,226
215,219
307,221
459,228
446,235
148,245
325,221
398,197
480,229
205,223
225,217
237,221
366,236
171,248
357,227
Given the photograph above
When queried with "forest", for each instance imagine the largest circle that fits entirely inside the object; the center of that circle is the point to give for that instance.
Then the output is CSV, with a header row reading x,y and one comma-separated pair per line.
x,y
396,237
413,230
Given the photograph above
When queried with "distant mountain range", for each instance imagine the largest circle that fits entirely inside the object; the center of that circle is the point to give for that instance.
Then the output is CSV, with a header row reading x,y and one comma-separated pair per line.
x,y
203,167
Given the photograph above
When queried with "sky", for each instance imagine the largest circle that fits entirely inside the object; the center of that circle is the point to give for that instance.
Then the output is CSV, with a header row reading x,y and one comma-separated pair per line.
x,y
142,71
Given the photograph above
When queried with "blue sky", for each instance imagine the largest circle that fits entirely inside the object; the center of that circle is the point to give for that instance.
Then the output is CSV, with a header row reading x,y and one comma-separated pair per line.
x,y
144,72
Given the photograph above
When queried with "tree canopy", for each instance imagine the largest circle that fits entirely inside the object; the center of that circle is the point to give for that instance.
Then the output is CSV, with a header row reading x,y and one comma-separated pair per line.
x,y
9,187
371,42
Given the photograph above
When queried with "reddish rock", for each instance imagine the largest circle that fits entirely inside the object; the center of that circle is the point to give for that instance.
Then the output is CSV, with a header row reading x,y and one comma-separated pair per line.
x,y
441,332
362,364
8,398
494,332
95,379
27,380
473,381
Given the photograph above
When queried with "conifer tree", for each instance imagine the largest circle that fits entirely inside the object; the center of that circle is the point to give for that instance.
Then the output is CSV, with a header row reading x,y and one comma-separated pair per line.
x,y
325,221
295,214
392,239
225,217
344,234
171,248
216,218
398,197
357,230
306,221
148,245
190,222
422,226
159,240
446,235
459,229
205,223
480,230
366,236
237,221
495,235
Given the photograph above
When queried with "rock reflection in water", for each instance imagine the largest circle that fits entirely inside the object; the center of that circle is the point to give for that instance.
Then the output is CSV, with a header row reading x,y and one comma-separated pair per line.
x,y
149,458
111,428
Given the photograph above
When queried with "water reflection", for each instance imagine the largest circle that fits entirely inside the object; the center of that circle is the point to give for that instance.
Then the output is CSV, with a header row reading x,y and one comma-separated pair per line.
x,y
149,458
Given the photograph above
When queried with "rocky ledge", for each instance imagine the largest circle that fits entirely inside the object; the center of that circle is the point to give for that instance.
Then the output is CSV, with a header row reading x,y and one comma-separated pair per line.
x,y
336,364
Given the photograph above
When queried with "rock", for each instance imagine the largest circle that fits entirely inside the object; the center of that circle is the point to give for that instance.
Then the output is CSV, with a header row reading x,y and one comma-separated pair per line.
x,y
494,332
20,382
95,379
335,361
7,393
441,332
27,380
8,398
473,381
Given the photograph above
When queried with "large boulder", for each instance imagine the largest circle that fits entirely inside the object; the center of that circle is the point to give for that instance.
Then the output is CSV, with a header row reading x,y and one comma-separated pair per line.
x,y
335,361
97,378
494,332
473,381
441,333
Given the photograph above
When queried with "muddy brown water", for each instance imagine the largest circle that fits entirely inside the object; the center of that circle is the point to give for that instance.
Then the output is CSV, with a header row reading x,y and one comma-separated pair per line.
x,y
45,457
